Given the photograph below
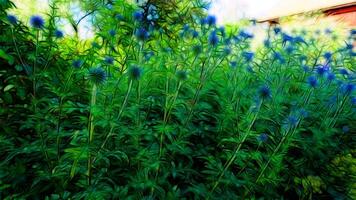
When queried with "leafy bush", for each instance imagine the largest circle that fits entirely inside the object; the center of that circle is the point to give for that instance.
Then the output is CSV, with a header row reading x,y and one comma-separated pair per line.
x,y
158,109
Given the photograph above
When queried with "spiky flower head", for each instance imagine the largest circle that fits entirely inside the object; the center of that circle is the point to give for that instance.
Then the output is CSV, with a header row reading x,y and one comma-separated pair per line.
x,y
109,60
248,55
112,32
97,75
138,15
37,22
328,55
182,75
211,20
264,92
344,71
263,137
58,34
312,81
348,88
330,76
213,38
12,19
142,34
77,63
135,72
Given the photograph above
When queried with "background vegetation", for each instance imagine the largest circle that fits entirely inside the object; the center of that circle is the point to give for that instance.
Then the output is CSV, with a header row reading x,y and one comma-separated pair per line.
x,y
163,104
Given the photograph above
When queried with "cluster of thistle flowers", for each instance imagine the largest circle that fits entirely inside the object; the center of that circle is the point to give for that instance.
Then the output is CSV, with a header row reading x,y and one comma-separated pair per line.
x,y
36,22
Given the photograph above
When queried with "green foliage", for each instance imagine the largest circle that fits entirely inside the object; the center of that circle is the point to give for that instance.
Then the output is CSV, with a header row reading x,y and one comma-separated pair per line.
x,y
178,114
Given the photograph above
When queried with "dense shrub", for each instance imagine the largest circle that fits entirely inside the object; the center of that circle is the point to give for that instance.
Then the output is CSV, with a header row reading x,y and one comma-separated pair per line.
x,y
154,109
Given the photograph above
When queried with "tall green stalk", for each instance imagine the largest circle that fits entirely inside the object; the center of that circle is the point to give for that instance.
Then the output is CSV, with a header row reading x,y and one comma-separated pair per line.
x,y
91,131
233,157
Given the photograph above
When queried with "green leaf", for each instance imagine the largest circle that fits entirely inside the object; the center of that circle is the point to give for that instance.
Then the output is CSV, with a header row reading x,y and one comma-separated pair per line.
x,y
8,87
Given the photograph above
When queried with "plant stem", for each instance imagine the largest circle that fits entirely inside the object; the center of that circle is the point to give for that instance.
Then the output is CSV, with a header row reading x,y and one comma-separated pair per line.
x,y
233,157
91,131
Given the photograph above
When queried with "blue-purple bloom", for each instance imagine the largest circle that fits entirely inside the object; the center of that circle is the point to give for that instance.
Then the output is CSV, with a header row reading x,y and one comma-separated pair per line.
x,y
328,55
77,63
109,60
343,71
321,70
312,81
97,75
248,55
245,35
213,38
277,30
112,32
263,137
37,21
135,72
138,15
264,92
142,34
58,34
345,129
12,19
348,88
330,76
211,20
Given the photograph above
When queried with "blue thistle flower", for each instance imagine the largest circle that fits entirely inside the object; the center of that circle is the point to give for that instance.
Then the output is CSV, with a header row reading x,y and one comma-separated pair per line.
x,y
119,17
321,70
97,75
152,13
292,120
195,34
248,55
135,73
227,50
77,63
138,16
286,38
109,60
344,72
349,46
353,100
353,32
277,30
305,68
250,69
58,34
211,20
299,39
233,64
182,75
348,88
330,76
303,113
213,38
112,32
264,92
148,55
327,55
312,81
279,57
267,43
245,35
37,21
328,31
142,34
345,129
203,21
263,137
12,19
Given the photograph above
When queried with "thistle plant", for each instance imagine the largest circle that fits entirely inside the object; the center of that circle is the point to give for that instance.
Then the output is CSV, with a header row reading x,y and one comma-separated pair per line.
x,y
164,103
